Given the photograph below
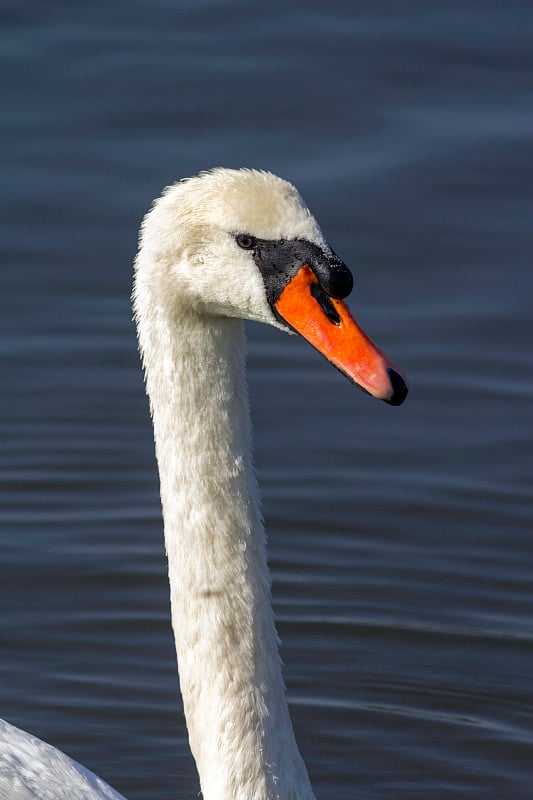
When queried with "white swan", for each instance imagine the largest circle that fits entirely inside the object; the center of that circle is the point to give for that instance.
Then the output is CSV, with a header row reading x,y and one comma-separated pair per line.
x,y
215,249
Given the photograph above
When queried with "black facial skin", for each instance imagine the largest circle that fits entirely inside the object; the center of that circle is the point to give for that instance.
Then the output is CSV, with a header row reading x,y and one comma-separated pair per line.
x,y
279,260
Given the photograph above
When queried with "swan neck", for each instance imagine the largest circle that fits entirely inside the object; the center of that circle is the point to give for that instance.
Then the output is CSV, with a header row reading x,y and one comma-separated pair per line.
x,y
230,675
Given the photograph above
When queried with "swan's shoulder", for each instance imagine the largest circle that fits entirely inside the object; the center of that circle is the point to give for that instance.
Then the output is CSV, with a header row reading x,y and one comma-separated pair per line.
x,y
33,770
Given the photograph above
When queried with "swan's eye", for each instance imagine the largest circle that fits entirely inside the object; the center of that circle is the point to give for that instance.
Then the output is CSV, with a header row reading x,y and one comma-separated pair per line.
x,y
245,241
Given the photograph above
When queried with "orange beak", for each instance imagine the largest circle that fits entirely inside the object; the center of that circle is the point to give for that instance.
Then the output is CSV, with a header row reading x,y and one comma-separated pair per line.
x,y
327,324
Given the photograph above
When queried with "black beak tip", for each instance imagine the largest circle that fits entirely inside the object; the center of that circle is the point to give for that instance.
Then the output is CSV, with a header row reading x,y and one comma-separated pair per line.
x,y
399,388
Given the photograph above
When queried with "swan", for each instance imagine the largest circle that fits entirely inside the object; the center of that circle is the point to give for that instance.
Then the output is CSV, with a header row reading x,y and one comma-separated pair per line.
x,y
214,250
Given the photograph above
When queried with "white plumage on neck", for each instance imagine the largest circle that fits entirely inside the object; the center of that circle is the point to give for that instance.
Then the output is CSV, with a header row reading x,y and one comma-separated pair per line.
x,y
225,246
230,674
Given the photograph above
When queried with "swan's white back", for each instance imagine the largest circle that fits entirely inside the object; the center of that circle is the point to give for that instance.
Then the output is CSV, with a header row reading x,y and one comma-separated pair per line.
x,y
33,770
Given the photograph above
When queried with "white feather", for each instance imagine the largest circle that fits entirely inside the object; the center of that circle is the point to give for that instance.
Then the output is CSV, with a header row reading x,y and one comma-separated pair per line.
x,y
193,287
33,770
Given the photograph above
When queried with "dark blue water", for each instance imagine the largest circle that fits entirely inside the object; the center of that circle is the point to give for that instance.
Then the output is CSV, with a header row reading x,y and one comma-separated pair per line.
x,y
401,539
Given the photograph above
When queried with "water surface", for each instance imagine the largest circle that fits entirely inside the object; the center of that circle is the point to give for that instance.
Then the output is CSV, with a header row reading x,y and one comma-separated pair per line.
x,y
400,538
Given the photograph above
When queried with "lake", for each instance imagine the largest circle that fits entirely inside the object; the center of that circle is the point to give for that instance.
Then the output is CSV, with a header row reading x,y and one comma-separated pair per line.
x,y
400,539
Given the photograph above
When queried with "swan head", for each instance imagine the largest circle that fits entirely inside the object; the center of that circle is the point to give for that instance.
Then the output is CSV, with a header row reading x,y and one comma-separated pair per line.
x,y
242,243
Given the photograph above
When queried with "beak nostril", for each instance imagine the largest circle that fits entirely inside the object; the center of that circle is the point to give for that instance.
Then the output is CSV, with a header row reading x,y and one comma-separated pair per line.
x,y
325,303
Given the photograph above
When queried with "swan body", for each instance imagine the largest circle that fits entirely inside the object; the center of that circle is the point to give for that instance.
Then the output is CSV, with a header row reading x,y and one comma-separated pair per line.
x,y
33,770
216,249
